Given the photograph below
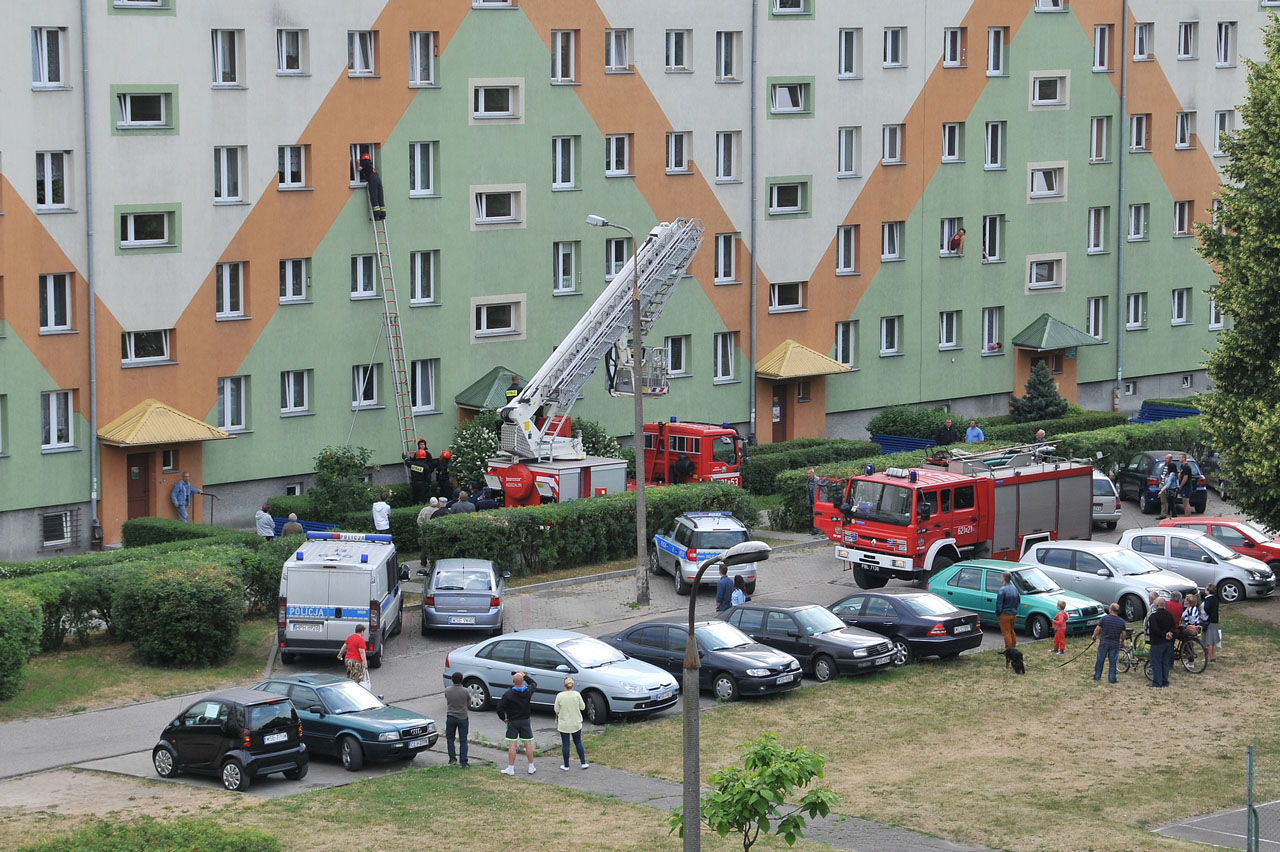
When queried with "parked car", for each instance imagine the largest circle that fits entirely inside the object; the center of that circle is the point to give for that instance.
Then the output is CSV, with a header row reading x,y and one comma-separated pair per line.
x,y
339,717
822,643
919,624
1245,538
1106,501
236,735
611,683
1204,559
732,663
1211,467
463,594
1106,572
1140,479
973,585
694,538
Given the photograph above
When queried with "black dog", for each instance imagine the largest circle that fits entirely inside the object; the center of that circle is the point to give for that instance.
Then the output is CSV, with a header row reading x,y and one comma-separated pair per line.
x,y
1013,660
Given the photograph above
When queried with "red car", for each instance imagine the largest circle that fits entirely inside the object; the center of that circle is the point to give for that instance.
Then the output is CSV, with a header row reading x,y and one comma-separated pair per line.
x,y
1244,537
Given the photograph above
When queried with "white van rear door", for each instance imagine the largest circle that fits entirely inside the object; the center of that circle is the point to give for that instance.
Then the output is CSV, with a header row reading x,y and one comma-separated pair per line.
x,y
307,593
349,599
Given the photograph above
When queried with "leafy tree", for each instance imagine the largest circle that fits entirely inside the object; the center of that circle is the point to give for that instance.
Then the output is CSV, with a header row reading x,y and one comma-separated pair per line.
x,y
1042,400
339,486
474,443
595,440
750,799
1242,415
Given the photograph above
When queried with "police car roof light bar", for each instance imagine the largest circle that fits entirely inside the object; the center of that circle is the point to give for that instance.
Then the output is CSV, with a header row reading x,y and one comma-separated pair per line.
x,y
380,538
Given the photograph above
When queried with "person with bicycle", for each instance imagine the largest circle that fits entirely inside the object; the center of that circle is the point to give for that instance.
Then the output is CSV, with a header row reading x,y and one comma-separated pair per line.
x,y
1160,632
1107,634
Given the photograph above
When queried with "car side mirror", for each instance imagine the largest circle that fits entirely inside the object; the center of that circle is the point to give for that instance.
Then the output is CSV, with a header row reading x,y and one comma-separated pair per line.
x,y
926,511
1207,559
1104,572
660,533
563,669
506,575
316,708
422,572
793,634
404,572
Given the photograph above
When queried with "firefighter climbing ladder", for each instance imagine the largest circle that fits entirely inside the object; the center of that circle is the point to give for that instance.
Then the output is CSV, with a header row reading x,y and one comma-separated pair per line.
x,y
395,340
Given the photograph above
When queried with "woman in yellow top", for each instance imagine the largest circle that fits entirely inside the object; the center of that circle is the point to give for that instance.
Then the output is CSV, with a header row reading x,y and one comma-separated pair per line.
x,y
569,707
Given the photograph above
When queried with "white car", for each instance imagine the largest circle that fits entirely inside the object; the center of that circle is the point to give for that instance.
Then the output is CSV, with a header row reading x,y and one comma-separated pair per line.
x,y
1204,559
1107,573
1106,501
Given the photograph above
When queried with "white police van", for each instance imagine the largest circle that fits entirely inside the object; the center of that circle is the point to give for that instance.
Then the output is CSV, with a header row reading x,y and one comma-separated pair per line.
x,y
695,538
332,583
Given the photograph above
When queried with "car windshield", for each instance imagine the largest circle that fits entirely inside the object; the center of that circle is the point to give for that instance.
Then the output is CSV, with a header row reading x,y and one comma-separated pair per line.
x,y
591,653
1216,547
1033,581
1103,488
463,579
1254,532
271,717
717,637
720,539
879,501
1130,564
348,697
928,605
816,619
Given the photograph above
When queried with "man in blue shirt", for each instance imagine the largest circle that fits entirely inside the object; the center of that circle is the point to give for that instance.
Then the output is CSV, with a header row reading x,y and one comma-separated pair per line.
x,y
181,495
1007,602
1108,633
973,435
724,589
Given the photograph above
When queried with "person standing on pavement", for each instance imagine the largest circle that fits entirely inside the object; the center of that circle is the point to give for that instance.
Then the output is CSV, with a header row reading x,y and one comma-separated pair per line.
x,y
1209,617
513,708
457,700
811,486
355,652
739,594
724,589
569,707
946,434
292,527
382,514
1007,602
1160,631
1107,634
181,495
263,523
1186,484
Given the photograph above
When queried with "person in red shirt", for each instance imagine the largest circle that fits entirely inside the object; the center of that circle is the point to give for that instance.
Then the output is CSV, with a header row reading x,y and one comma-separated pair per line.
x,y
1174,608
355,652
1060,630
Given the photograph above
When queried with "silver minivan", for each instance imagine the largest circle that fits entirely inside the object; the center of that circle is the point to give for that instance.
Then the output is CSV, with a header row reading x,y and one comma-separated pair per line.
x,y
1106,501
1204,559
1106,572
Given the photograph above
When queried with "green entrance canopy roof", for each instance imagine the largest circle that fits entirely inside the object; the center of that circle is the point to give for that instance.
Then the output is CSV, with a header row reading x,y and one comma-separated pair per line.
x,y
1047,333
490,392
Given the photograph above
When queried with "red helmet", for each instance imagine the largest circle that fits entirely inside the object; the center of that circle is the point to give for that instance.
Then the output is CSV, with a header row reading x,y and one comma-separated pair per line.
x,y
364,157
446,455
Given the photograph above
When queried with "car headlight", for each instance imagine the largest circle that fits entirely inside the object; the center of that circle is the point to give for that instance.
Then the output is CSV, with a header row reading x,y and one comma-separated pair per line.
x,y
633,688
1257,575
388,736
859,652
795,664
757,672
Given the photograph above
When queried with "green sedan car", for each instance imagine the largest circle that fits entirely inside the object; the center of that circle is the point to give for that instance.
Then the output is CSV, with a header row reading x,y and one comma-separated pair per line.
x,y
973,586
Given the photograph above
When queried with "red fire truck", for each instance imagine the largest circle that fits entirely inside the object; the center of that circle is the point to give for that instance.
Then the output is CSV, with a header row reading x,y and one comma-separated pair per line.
x,y
715,453
911,523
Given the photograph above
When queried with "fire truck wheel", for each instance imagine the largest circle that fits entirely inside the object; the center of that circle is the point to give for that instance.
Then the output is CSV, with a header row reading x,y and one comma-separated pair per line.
x,y
940,564
865,582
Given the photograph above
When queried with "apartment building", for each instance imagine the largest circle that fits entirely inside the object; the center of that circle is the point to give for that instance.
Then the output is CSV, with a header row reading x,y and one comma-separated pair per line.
x,y
189,279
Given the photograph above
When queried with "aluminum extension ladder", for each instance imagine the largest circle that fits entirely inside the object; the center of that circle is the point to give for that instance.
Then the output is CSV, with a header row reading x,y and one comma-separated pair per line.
x,y
395,339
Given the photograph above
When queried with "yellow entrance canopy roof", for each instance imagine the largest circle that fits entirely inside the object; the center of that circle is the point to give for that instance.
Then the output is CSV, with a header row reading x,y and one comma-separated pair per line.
x,y
791,360
153,422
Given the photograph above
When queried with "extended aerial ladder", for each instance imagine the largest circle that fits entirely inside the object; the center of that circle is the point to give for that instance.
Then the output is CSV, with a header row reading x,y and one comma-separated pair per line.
x,y
395,339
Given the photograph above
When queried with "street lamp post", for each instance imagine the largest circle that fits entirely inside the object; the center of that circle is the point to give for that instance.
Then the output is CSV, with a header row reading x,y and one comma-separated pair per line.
x,y
637,349
740,554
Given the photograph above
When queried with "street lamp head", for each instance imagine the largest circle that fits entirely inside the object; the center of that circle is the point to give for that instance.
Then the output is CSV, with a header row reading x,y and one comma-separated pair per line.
x,y
597,221
742,553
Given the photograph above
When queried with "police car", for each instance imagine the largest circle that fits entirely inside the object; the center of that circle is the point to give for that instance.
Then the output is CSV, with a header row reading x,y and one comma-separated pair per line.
x,y
695,538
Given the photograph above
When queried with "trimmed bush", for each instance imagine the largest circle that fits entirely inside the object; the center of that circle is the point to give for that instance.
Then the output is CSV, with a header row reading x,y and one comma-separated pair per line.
x,y
20,617
183,614
180,835
404,528
784,446
1025,433
140,532
1119,443
760,471
69,601
1191,402
298,504
911,422
144,554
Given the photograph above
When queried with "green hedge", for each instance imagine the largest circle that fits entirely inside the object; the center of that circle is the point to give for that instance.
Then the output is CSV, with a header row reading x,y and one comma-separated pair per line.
x,y
923,423
13,570
140,532
911,422
538,539
1119,443
760,471
1191,402
184,614
404,528
1025,433
19,619
180,835
784,446
298,504
69,601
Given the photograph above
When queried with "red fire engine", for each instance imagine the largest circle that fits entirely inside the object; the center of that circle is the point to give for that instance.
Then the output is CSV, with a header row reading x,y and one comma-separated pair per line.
x,y
714,453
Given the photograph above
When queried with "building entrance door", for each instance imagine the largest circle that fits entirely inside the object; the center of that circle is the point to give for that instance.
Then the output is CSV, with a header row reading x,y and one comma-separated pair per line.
x,y
780,414
139,477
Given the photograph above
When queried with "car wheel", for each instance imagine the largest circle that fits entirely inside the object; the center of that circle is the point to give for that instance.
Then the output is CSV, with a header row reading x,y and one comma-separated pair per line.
x,y
1038,627
654,568
824,668
865,581
286,658
1275,567
351,753
1145,503
901,652
480,697
597,708
375,660
682,588
1231,591
497,631
234,778
1131,608
1110,525
750,588
1199,508
297,774
164,761
424,624
725,687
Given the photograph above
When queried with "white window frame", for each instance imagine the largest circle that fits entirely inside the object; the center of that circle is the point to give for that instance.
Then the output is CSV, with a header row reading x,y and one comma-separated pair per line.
x,y
617,251
48,52
1223,125
677,347
564,269
482,109
1143,36
676,58
788,98
1102,47
993,238
364,276
948,329
1049,90
287,157
890,336
564,60
490,209
895,47
295,391
848,151
1188,39
1046,272
891,241
846,343
994,144
564,162
953,142
991,319
57,420
486,315
54,292
128,226
285,51
422,169
786,296
1215,315
358,150
790,7
231,394
847,250
227,167
1180,306
617,155
295,278
362,53
1051,5
1135,311
997,46
849,54
423,281
1225,45
778,205
125,109
1215,216
364,386
226,58
422,385
1048,181
228,283
1182,218
1184,130
422,58
1140,133
727,42
679,146
1095,312
891,144
1096,242
48,184
723,357
1138,222
953,47
617,52
726,258
948,227
1100,139
727,155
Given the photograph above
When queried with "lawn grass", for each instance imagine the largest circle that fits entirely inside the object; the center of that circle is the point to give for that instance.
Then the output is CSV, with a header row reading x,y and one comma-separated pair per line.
x,y
965,750
105,674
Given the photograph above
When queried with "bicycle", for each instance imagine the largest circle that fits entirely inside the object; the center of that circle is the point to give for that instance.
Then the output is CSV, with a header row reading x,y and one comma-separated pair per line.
x,y
1189,650
1127,658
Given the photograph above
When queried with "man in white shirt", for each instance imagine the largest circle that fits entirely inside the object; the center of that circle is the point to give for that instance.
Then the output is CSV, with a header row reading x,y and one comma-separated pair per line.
x,y
382,514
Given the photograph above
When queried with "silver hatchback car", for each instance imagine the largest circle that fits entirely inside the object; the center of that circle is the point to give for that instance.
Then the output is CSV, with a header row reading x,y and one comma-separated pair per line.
x,y
1106,572
1204,559
463,594
1106,501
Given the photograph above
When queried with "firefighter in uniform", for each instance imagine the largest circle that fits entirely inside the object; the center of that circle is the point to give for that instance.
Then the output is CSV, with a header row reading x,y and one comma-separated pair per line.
x,y
420,468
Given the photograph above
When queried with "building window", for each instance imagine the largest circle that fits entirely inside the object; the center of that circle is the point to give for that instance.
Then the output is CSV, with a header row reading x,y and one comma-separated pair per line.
x,y
231,403
677,350
293,279
141,110
1049,91
497,207
564,267
992,238
1215,216
55,302
363,275
617,155
563,162
789,98
361,56
422,59
226,57
1181,300
891,144
727,44
564,59
727,142
726,259
787,197
1095,309
1188,38
1184,130
422,172
952,142
1223,124
1051,5
1135,312
891,241
1099,138
51,180
996,46
993,156
228,299
790,7
1137,222
722,362
1047,182
139,230
677,57
948,228
422,385
617,56
168,460
293,392
1215,315
56,529
890,336
422,277
948,327
1044,273
1182,218
848,153
895,47
1102,47
46,57
291,166
56,429
494,319
1139,132
1143,41
678,145
291,52
850,61
1097,243
846,338
617,251
1225,56
847,250
954,47
364,385
226,174
991,329
787,296
493,102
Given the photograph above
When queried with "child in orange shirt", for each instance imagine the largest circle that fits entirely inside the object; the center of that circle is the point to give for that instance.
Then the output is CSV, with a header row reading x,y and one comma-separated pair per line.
x,y
1060,630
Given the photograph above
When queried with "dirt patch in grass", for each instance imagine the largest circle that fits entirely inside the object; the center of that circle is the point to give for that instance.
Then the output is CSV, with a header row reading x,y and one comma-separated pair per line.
x,y
965,750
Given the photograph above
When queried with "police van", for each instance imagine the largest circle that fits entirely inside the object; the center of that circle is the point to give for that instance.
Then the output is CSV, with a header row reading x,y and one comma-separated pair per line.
x,y
333,582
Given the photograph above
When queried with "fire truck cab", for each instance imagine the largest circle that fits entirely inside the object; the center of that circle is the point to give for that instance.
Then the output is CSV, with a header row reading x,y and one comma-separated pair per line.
x,y
713,453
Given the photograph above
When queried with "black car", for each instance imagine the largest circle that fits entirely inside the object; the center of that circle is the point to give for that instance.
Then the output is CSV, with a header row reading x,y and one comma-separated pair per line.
x,y
731,663
919,624
236,735
814,636
340,717
1211,467
1141,477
